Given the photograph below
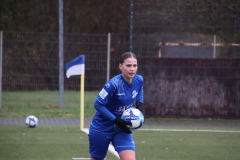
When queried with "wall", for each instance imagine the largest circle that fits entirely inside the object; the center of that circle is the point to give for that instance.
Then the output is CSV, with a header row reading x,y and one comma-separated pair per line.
x,y
191,87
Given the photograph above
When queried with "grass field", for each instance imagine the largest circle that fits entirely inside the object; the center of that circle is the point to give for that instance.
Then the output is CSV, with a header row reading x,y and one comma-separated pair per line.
x,y
43,143
64,142
174,145
45,104
185,140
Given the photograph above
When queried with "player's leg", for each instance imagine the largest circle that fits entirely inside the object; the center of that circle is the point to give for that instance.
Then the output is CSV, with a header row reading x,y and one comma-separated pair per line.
x,y
127,155
94,159
98,144
124,145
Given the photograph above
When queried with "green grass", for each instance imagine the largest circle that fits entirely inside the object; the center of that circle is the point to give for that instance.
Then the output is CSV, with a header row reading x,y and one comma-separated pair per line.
x,y
43,143
46,104
64,142
187,145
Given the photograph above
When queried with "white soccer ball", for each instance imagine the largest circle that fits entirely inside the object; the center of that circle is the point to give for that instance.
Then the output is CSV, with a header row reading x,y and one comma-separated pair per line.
x,y
31,121
135,116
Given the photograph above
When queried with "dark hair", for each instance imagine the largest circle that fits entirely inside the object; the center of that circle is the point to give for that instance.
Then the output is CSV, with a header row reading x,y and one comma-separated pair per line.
x,y
127,55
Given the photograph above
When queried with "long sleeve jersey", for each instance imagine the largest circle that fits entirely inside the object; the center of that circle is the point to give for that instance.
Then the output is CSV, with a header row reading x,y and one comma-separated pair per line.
x,y
116,96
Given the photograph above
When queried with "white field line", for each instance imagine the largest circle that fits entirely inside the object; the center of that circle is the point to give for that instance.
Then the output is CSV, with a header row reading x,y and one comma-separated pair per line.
x,y
190,130
83,158
110,147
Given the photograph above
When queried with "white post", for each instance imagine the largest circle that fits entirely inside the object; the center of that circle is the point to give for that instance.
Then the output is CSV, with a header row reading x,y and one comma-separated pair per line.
x,y
108,55
214,46
131,27
61,56
1,52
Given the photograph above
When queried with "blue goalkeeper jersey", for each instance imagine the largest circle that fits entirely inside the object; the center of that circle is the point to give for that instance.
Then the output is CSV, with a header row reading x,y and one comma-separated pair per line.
x,y
116,96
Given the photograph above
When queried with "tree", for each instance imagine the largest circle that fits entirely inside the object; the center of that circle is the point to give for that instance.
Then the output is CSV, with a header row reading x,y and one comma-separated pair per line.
x,y
92,16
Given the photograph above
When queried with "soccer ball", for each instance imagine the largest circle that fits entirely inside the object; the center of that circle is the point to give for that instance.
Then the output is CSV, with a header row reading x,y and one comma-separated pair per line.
x,y
31,121
135,116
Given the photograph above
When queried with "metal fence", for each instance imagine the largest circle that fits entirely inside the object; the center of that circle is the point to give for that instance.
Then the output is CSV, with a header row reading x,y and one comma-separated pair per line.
x,y
30,60
185,29
185,46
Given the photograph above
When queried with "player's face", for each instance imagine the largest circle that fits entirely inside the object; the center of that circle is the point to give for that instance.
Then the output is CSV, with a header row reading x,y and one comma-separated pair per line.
x,y
129,69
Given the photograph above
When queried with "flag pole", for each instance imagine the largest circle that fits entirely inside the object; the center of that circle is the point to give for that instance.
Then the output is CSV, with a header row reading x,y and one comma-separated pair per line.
x,y
77,67
82,102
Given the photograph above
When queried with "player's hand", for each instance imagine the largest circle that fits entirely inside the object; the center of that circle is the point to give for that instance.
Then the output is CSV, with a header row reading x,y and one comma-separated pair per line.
x,y
139,106
122,124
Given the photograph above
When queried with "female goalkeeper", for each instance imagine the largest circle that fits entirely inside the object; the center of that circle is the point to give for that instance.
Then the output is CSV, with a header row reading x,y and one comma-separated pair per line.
x,y
117,95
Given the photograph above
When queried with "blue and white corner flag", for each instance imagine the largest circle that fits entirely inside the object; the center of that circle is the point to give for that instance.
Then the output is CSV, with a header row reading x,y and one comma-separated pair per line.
x,y
76,66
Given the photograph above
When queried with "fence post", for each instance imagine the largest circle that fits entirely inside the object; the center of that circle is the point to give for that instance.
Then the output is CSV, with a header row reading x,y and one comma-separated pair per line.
x,y
214,46
61,57
1,52
131,27
108,55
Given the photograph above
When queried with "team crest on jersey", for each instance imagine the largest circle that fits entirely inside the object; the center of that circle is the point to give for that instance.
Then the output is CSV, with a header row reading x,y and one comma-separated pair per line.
x,y
107,85
134,93
103,93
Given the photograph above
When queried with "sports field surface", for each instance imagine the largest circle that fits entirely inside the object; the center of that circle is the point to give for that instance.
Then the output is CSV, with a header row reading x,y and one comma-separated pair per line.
x,y
58,135
161,139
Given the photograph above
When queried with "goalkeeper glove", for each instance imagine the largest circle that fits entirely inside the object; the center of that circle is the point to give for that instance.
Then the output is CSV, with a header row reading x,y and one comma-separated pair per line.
x,y
139,106
122,124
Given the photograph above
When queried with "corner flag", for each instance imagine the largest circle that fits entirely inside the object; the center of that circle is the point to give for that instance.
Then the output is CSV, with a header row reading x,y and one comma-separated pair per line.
x,y
76,66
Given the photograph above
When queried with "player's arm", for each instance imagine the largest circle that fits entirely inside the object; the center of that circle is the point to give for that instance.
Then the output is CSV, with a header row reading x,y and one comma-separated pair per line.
x,y
102,99
104,111
139,106
107,114
139,99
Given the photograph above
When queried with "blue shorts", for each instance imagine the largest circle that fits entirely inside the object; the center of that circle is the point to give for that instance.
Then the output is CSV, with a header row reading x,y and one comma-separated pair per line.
x,y
100,140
